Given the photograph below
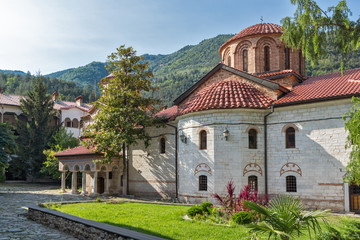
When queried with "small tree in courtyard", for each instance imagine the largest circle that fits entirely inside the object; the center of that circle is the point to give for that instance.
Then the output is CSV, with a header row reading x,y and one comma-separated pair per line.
x,y
123,112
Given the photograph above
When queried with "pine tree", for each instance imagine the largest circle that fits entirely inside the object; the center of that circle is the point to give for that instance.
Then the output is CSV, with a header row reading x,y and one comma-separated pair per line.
x,y
124,113
36,134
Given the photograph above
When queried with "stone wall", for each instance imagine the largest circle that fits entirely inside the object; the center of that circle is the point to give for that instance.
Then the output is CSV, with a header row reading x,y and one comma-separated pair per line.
x,y
83,228
223,160
320,156
318,161
152,173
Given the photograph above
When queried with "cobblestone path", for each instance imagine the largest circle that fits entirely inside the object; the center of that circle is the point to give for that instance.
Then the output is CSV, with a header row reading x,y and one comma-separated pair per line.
x,y
14,197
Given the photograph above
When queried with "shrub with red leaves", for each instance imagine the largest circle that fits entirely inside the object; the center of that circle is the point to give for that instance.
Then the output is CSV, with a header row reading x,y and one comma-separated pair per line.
x,y
233,204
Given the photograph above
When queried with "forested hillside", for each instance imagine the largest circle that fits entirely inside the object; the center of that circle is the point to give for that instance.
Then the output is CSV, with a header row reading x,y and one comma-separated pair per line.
x,y
83,75
20,84
173,73
16,72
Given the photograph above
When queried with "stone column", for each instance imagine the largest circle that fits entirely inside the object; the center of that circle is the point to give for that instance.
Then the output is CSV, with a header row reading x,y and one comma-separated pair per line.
x,y
347,197
83,183
95,184
74,183
106,183
63,180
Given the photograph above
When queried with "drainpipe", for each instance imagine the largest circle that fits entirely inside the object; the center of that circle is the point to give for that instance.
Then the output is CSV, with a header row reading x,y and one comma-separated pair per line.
x,y
176,161
265,148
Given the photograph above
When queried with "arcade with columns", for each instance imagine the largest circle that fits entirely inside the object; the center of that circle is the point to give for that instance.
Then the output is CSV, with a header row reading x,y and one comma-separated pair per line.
x,y
86,167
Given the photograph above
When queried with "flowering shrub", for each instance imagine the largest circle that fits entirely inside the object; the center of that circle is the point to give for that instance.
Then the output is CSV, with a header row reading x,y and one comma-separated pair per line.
x,y
232,204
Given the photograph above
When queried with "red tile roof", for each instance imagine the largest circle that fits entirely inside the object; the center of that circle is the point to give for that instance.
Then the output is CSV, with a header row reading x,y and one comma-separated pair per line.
x,y
80,150
270,74
261,28
324,87
8,99
225,95
169,113
68,105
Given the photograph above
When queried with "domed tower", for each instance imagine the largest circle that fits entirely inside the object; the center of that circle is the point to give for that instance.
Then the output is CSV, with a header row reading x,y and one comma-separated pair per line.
x,y
258,50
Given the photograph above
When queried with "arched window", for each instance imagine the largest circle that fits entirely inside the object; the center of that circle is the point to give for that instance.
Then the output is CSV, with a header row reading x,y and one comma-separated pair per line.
x,y
287,58
229,61
245,61
203,139
253,183
290,184
202,183
266,58
290,137
162,145
75,123
67,122
252,139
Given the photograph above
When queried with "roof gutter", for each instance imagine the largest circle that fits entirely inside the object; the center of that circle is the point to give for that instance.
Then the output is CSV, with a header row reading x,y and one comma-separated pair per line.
x,y
265,149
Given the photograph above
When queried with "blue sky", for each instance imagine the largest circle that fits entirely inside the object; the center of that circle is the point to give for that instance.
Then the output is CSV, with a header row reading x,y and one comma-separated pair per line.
x,y
53,35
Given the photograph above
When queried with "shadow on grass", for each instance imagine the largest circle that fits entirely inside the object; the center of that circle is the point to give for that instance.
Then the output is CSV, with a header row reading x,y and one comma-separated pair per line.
x,y
138,229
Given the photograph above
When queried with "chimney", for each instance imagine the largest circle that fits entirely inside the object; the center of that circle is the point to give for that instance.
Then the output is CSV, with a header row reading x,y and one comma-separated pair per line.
x,y
55,96
79,100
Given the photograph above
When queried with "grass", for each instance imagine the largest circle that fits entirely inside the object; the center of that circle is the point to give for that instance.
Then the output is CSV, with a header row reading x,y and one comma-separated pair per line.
x,y
160,220
166,220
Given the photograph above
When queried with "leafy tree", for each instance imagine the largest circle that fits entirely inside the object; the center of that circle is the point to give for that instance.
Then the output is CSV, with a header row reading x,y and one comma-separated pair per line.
x,y
36,134
285,218
7,147
62,140
124,113
352,125
311,27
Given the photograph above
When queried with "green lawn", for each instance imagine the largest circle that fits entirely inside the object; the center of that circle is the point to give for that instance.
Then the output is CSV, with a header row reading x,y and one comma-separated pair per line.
x,y
161,220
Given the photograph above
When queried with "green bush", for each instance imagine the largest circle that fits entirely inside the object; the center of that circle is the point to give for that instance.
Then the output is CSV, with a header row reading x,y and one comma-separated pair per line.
x,y
242,217
205,207
194,210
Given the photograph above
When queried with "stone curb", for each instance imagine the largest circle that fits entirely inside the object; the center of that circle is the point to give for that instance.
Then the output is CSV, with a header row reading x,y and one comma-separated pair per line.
x,y
47,215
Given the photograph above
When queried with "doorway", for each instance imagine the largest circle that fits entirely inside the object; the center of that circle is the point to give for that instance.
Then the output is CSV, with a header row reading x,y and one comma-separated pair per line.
x,y
100,185
354,198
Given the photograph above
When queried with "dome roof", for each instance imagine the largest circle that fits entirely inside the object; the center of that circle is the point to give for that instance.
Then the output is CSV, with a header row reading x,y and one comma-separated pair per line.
x,y
261,28
226,94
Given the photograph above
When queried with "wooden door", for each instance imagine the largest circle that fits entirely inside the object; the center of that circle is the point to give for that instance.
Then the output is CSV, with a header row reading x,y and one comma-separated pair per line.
x,y
355,198
100,185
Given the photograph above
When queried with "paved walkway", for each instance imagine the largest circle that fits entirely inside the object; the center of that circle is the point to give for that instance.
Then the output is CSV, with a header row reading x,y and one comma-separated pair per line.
x,y
14,197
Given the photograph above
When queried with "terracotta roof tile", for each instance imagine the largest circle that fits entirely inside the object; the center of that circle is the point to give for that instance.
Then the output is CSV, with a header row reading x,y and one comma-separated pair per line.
x,y
8,99
224,95
261,28
80,150
68,105
270,74
324,87
169,113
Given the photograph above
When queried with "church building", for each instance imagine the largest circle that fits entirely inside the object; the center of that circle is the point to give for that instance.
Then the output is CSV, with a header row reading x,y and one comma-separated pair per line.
x,y
255,118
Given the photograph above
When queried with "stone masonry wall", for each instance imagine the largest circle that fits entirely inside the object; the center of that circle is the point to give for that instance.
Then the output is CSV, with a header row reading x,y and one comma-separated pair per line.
x,y
223,160
152,173
320,156
318,161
